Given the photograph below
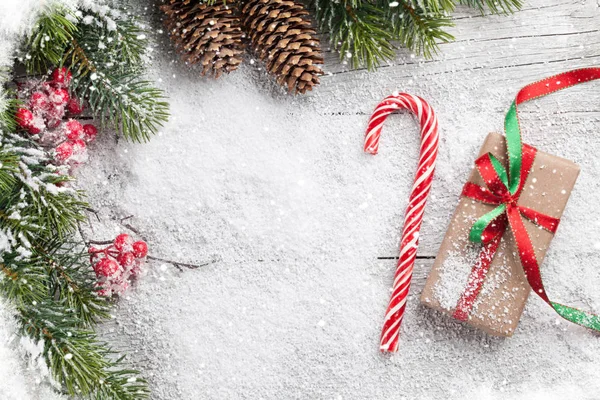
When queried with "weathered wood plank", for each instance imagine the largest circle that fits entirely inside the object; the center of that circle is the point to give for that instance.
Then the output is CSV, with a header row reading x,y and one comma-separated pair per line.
x,y
517,39
470,83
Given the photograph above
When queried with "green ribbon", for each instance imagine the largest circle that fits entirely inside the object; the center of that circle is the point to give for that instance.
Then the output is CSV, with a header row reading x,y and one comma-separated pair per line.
x,y
506,196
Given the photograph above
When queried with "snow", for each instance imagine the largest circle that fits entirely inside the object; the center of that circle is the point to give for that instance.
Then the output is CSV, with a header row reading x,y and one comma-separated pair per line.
x,y
277,191
20,380
453,278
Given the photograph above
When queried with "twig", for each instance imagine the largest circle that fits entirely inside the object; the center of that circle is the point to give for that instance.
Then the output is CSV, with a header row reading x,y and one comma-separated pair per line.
x,y
95,212
100,242
130,227
81,233
178,265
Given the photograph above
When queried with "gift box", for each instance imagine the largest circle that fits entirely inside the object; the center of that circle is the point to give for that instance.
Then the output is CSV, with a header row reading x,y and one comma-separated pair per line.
x,y
486,285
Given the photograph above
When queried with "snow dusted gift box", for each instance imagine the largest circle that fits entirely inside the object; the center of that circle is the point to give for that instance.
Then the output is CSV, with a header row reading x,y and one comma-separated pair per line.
x,y
492,297
507,216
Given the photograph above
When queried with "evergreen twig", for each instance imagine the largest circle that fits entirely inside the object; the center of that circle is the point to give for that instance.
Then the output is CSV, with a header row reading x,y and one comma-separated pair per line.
x,y
49,280
45,275
104,51
495,6
45,46
364,31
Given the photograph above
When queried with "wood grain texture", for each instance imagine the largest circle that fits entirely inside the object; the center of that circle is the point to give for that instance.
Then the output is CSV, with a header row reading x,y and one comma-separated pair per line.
x,y
305,322
471,82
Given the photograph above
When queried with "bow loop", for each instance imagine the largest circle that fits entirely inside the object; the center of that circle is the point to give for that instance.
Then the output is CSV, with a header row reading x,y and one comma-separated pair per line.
x,y
486,227
494,175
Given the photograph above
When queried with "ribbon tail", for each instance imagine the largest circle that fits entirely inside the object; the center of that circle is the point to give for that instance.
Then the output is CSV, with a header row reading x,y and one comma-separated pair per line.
x,y
534,276
476,279
578,317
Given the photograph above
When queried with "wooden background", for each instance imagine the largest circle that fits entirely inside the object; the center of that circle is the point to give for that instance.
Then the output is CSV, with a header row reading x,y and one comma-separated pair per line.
x,y
492,57
250,325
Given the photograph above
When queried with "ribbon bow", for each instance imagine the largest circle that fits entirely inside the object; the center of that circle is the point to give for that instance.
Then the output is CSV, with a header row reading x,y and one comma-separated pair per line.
x,y
503,189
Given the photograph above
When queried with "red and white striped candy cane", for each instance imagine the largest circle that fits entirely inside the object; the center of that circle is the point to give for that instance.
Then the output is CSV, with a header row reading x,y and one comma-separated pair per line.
x,y
416,202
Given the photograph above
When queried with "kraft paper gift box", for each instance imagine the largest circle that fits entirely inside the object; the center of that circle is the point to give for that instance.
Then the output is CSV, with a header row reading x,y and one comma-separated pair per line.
x,y
504,290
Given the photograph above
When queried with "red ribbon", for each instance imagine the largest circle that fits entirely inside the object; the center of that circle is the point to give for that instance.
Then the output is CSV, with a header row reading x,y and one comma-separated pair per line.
x,y
497,193
503,188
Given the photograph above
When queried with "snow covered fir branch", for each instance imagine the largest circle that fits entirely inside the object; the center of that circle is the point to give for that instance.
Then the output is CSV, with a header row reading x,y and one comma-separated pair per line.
x,y
104,50
281,33
45,271
45,274
365,31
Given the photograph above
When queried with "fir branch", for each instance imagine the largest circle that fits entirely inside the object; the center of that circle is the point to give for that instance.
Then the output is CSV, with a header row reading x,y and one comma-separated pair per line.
x,y
107,76
48,279
104,51
8,109
118,42
22,284
363,30
80,363
359,31
72,282
38,207
495,6
48,313
49,39
8,104
434,6
417,28
131,105
9,166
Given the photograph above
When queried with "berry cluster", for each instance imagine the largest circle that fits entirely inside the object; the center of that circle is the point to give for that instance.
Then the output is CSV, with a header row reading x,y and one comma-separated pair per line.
x,y
118,264
46,115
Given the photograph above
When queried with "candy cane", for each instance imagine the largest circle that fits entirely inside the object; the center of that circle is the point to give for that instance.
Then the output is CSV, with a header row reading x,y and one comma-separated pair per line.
x,y
416,202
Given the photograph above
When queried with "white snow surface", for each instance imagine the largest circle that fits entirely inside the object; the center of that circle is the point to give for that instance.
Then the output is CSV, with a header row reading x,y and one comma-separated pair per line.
x,y
277,191
22,377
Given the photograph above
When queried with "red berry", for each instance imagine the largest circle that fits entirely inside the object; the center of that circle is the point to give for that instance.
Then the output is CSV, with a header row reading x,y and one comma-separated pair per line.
x,y
106,267
73,129
39,101
140,249
75,106
89,132
121,241
78,146
24,117
33,130
61,76
63,151
54,112
52,123
126,259
59,96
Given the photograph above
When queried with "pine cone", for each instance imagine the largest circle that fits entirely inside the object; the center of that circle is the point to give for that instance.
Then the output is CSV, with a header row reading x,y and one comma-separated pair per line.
x,y
282,36
208,34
